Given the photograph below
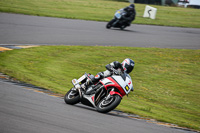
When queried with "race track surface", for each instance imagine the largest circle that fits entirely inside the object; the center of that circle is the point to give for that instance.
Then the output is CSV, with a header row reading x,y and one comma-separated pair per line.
x,y
25,110
24,29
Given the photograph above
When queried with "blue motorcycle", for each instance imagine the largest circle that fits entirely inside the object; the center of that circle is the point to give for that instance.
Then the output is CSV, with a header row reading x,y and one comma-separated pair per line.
x,y
117,21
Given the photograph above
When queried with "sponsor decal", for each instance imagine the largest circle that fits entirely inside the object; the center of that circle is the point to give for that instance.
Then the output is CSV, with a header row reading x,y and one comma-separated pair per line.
x,y
129,83
127,88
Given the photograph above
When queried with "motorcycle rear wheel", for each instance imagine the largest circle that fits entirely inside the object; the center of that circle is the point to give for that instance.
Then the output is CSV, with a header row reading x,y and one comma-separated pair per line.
x,y
72,97
107,105
122,27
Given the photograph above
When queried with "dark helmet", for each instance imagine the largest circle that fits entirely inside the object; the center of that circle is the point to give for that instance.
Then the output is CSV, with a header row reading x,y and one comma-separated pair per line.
x,y
131,6
128,65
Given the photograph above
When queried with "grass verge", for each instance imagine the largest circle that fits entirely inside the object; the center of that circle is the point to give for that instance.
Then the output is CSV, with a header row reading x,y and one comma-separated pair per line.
x,y
101,10
166,81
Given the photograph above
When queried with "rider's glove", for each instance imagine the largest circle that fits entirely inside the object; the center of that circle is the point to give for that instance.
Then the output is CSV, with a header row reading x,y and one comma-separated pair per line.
x,y
115,71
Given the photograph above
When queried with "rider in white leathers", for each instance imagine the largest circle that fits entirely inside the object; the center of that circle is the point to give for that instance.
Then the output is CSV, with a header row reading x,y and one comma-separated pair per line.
x,y
113,68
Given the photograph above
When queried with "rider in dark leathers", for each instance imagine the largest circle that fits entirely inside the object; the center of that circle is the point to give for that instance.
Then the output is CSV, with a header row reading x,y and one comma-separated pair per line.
x,y
130,16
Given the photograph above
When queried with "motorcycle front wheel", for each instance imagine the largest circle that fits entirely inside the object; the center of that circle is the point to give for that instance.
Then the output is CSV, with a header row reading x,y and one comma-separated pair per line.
x,y
105,106
72,97
109,25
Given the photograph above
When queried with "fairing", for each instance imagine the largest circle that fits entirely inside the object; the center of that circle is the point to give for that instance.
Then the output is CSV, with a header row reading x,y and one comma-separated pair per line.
x,y
123,85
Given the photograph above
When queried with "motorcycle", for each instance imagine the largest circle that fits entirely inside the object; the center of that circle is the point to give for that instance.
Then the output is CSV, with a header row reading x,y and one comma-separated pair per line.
x,y
105,95
117,21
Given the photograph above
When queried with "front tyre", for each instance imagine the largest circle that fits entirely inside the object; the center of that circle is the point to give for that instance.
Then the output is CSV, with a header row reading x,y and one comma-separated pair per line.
x,y
105,106
72,97
109,25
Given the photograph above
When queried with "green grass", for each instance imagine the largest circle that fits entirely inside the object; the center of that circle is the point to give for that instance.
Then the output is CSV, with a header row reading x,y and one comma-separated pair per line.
x,y
101,10
166,81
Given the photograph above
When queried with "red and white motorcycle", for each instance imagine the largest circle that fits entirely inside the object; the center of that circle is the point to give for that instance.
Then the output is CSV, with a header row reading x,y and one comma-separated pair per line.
x,y
106,95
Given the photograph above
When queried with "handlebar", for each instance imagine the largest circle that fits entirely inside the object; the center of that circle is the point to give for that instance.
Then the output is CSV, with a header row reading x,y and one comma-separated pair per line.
x,y
117,72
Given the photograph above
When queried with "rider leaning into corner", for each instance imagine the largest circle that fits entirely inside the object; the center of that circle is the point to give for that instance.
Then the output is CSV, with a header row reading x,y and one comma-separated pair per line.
x,y
130,16
126,66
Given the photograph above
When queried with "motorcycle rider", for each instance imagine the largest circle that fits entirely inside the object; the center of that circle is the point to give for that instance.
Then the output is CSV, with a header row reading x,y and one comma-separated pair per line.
x,y
130,16
113,68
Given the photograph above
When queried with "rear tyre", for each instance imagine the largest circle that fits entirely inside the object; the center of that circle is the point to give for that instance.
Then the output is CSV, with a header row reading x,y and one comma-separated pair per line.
x,y
105,106
122,27
72,97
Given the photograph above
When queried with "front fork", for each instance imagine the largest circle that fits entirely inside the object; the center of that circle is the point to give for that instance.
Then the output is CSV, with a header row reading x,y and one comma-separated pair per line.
x,y
115,23
77,86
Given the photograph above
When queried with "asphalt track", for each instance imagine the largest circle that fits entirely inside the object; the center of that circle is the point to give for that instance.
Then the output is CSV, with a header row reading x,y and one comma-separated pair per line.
x,y
24,29
25,110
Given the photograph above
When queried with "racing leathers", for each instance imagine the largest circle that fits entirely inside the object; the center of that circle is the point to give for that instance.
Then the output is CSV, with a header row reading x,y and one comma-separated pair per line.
x,y
112,68
130,16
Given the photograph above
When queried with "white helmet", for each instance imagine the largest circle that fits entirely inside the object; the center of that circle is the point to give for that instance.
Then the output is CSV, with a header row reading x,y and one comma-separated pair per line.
x,y
128,65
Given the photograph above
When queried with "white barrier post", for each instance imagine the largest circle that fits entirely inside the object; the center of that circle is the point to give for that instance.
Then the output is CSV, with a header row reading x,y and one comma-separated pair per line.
x,y
150,12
